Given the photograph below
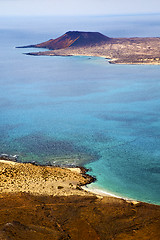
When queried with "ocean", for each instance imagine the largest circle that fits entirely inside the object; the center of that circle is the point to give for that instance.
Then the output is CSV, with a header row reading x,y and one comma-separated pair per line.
x,y
82,110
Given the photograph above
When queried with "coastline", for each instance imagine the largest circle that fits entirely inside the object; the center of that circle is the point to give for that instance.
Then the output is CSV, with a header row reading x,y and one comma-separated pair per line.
x,y
132,60
141,51
102,193
81,187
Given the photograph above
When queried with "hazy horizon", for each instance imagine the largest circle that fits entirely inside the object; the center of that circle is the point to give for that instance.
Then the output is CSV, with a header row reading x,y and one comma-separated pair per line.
x,y
44,28
77,8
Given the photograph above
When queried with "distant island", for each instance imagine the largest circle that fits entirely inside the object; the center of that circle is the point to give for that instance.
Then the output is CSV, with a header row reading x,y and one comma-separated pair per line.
x,y
117,50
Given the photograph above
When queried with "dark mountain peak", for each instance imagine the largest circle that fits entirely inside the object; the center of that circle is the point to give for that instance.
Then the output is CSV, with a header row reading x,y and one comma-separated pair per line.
x,y
73,32
89,35
74,39
83,32
87,38
78,33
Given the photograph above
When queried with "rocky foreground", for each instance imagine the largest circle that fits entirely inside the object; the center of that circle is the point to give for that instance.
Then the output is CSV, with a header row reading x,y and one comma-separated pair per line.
x,y
116,50
39,202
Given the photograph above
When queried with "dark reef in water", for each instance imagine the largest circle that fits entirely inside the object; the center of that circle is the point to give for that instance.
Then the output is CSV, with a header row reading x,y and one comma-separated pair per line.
x,y
46,150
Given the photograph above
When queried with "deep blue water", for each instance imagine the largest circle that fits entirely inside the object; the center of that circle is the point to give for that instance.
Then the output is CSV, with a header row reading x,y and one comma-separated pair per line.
x,y
84,110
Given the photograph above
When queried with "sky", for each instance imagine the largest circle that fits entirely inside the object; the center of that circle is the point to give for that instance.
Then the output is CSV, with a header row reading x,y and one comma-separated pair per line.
x,y
77,7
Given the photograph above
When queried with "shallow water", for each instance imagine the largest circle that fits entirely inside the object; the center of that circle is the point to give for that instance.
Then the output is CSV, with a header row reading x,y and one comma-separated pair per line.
x,y
84,110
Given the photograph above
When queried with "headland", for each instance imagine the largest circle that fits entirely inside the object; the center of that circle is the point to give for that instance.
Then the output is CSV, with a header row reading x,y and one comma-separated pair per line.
x,y
45,202
134,50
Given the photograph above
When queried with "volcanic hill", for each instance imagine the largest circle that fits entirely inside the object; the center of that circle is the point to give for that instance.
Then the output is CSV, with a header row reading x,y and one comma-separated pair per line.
x,y
119,50
74,39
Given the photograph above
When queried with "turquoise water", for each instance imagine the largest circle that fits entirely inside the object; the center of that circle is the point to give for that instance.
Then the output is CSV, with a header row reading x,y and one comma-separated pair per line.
x,y
82,111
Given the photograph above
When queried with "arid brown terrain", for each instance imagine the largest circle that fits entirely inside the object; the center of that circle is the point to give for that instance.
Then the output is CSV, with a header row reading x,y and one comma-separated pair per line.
x,y
117,50
25,216
40,202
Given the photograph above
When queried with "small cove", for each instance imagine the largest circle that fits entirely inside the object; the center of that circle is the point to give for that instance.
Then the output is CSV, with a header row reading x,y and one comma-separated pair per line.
x,y
86,111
